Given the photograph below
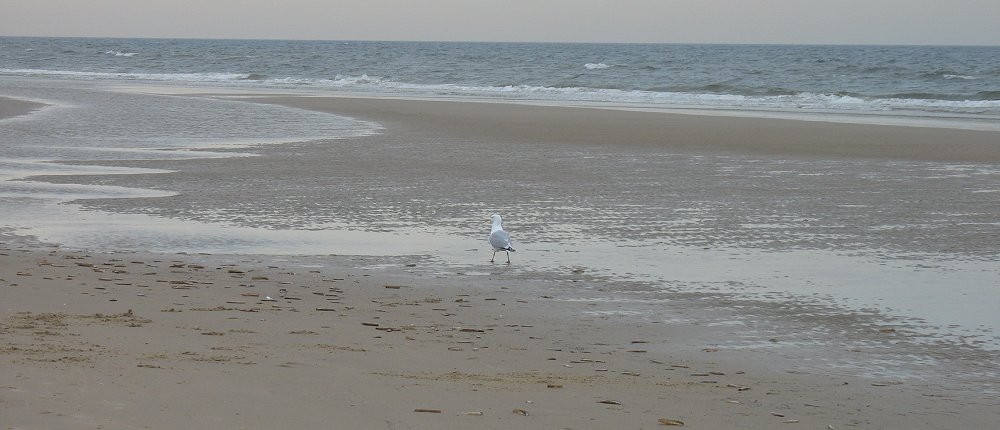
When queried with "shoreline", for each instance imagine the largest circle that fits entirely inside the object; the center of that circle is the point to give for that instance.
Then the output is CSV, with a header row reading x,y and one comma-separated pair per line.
x,y
911,119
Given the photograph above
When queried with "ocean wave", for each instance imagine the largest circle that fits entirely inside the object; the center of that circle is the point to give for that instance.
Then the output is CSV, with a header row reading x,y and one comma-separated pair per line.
x,y
987,96
360,80
725,88
717,95
179,77
775,98
122,54
948,75
596,66
343,81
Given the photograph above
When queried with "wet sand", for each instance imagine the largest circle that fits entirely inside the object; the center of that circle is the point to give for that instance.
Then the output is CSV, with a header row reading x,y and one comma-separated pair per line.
x,y
123,340
10,107
685,180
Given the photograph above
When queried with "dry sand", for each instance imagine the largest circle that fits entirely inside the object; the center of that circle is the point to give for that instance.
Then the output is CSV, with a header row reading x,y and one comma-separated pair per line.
x,y
127,340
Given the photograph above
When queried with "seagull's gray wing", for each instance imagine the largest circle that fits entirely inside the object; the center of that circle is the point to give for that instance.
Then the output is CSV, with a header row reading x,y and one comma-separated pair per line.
x,y
500,240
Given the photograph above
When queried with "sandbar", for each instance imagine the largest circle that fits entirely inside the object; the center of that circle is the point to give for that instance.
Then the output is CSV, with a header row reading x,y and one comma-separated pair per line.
x,y
11,107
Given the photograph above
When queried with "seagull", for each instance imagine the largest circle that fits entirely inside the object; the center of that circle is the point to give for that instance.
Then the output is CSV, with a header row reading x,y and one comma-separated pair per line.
x,y
499,239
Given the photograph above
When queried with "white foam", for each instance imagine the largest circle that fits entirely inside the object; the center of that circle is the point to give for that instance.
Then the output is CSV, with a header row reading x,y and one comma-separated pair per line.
x,y
122,54
596,66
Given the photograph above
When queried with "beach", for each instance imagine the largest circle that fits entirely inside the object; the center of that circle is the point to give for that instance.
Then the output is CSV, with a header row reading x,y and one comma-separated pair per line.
x,y
662,276
126,340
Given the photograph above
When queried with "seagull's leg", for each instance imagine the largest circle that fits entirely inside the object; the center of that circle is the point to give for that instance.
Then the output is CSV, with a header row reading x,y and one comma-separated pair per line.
x,y
494,256
508,256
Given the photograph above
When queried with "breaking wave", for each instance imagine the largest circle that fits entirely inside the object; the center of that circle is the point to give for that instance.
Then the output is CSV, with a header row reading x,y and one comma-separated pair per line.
x,y
121,54
712,95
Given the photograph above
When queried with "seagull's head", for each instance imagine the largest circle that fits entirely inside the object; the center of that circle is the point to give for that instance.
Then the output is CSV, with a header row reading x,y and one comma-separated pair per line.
x,y
496,219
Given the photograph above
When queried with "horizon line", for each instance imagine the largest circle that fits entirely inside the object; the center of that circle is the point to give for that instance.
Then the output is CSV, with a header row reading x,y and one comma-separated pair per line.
x,y
292,39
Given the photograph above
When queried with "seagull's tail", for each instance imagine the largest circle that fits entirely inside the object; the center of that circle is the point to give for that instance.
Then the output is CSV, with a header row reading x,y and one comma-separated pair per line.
x,y
508,249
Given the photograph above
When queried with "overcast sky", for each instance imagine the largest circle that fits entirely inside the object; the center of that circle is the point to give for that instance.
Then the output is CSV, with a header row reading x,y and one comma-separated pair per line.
x,y
670,21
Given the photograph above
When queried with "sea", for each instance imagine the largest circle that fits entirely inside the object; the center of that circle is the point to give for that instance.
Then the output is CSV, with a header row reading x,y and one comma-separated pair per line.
x,y
113,107
945,81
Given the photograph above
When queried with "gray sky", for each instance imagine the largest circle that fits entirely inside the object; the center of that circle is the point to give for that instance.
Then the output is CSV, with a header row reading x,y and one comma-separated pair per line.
x,y
671,21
